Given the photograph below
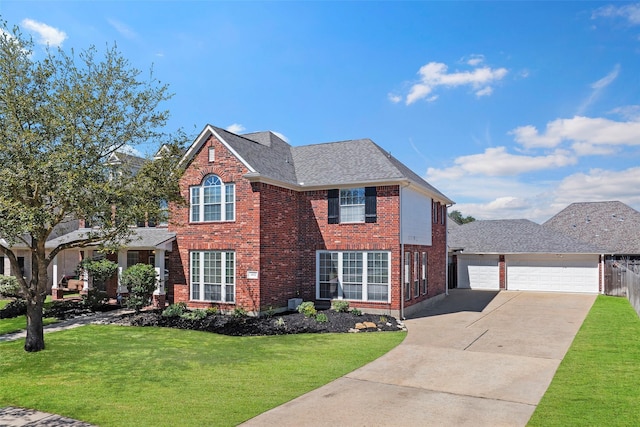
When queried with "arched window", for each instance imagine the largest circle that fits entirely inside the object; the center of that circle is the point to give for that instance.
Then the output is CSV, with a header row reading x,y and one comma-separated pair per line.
x,y
213,200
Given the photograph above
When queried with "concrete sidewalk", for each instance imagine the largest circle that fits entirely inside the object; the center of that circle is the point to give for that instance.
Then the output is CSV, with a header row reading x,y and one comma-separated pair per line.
x,y
476,359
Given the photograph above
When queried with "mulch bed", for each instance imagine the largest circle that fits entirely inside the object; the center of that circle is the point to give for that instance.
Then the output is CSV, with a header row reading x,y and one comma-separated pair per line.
x,y
280,324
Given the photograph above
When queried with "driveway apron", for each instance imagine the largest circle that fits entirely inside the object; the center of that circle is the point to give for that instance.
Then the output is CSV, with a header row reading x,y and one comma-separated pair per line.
x,y
477,358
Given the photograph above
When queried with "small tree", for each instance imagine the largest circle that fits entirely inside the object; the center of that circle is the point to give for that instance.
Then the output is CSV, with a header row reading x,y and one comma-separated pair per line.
x,y
100,272
140,280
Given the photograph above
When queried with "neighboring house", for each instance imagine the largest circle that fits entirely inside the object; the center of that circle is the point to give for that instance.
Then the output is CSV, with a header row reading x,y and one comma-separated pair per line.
x,y
611,225
149,243
522,255
146,245
269,224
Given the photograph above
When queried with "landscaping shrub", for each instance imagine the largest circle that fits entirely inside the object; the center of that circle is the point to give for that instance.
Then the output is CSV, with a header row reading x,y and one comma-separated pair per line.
x,y
356,312
175,310
140,280
15,308
322,318
95,299
239,312
340,306
196,314
308,309
9,287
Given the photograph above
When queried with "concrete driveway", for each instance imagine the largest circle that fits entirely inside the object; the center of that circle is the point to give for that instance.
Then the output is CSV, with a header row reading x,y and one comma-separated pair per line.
x,y
478,358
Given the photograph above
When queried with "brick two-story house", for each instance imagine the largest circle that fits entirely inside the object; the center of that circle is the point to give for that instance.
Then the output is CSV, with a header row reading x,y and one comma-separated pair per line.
x,y
267,222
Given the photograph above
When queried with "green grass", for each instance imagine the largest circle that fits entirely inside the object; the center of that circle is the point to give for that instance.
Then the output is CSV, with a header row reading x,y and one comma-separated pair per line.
x,y
127,376
598,382
19,323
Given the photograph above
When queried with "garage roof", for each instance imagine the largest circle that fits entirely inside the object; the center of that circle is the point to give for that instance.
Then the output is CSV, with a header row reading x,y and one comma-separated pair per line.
x,y
611,225
514,236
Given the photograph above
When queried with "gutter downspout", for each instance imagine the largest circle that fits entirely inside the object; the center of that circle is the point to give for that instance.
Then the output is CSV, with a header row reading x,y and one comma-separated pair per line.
x,y
602,267
446,249
402,272
401,259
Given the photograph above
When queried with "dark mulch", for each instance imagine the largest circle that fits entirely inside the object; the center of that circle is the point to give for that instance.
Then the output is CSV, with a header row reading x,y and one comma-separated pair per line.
x,y
281,324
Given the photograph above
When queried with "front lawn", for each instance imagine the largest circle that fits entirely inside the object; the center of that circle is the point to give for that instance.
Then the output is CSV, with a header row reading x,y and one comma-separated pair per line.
x,y
16,324
19,323
598,382
129,376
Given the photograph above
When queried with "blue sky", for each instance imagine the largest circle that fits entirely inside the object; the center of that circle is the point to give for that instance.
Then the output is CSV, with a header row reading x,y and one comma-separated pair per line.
x,y
512,109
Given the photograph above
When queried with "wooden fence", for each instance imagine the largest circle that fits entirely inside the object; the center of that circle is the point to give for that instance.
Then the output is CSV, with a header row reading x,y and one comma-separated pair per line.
x,y
622,278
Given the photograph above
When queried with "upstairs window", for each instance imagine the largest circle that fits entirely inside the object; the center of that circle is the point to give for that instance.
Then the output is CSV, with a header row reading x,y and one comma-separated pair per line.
x,y
213,201
352,205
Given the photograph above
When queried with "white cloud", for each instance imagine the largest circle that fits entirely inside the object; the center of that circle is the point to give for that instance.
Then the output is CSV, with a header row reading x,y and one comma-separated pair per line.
x,y
435,74
48,35
608,79
630,12
582,130
235,128
475,60
601,185
394,98
498,162
629,112
598,87
123,29
485,91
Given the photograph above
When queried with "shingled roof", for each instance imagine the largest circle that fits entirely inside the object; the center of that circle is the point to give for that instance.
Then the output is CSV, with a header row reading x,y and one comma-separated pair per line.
x,y
514,236
334,164
611,225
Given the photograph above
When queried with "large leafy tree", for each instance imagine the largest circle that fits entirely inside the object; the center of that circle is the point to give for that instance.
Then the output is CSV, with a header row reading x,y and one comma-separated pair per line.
x,y
62,115
459,218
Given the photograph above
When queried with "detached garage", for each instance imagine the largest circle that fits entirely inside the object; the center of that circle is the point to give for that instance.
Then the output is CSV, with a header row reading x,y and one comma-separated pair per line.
x,y
522,255
560,273
478,272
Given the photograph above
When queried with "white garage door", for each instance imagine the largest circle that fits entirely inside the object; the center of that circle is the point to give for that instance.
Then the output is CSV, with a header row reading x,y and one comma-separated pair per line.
x,y
478,272
569,273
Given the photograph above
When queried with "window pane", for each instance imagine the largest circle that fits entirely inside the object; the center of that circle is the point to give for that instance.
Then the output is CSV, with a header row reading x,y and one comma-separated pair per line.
x,y
212,195
229,200
352,213
195,275
212,212
352,275
230,293
377,276
328,265
230,268
212,267
352,205
212,292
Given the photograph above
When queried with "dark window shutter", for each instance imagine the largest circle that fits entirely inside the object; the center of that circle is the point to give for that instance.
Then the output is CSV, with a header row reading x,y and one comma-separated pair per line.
x,y
333,197
370,209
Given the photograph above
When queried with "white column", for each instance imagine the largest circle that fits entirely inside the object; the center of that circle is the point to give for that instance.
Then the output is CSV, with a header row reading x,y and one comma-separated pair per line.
x,y
6,268
160,290
54,272
122,265
84,275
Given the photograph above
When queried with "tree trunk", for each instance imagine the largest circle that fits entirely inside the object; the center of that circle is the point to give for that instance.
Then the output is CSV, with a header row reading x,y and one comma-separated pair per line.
x,y
35,333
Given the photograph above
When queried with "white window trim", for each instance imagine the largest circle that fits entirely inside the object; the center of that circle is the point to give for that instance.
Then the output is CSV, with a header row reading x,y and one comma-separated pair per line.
x,y
223,202
364,275
223,290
